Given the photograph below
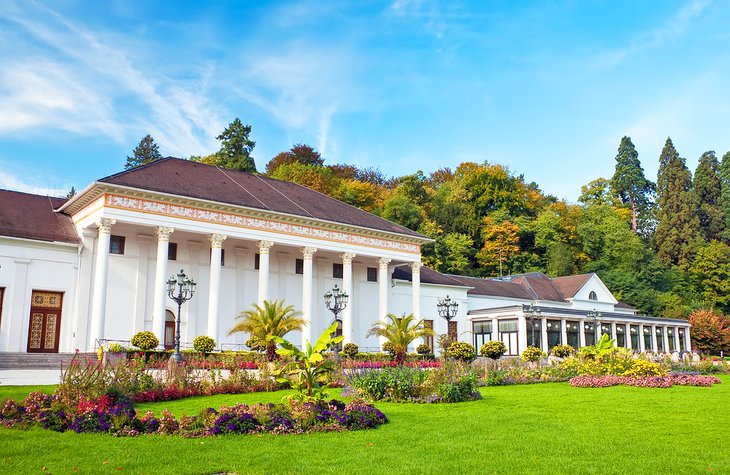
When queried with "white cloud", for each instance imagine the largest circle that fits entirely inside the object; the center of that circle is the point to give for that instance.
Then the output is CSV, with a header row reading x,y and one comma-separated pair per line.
x,y
9,181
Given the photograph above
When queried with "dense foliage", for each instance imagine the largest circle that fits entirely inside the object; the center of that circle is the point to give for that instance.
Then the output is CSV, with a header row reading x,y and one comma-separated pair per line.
x,y
145,340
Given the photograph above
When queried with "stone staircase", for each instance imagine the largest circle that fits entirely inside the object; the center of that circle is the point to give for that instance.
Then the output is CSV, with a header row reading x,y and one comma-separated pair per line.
x,y
37,360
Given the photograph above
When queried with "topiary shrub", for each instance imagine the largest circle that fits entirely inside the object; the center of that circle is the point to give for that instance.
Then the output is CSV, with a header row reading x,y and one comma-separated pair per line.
x,y
254,344
350,350
203,344
462,351
493,349
532,354
145,340
562,351
389,348
423,349
645,368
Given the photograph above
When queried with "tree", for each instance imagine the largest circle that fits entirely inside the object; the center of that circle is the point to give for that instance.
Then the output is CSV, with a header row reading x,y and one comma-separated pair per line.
x,y
400,332
678,227
271,319
708,190
315,177
146,152
71,193
630,184
710,331
501,242
724,173
400,209
710,275
298,153
236,147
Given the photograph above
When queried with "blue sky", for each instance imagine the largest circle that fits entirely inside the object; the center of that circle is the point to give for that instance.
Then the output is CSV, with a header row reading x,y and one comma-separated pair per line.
x,y
547,88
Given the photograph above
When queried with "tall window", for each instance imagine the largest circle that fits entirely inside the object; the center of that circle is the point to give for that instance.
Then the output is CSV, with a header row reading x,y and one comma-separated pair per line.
x,y
660,339
572,330
534,332
508,334
682,341
606,328
428,340
116,244
670,337
621,335
337,270
372,274
482,333
172,251
554,333
634,331
256,261
590,333
647,339
299,266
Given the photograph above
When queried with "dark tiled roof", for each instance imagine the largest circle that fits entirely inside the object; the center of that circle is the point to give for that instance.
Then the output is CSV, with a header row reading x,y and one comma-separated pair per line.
x,y
569,285
197,180
428,276
541,286
23,215
625,305
494,288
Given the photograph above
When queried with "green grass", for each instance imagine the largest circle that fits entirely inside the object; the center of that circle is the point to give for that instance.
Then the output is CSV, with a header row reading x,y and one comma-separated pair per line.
x,y
19,393
545,428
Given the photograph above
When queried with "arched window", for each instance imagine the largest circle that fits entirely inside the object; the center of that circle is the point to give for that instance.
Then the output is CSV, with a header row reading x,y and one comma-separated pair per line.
x,y
169,329
592,296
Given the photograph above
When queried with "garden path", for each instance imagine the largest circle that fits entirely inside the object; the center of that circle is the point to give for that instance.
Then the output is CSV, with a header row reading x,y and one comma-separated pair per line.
x,y
23,377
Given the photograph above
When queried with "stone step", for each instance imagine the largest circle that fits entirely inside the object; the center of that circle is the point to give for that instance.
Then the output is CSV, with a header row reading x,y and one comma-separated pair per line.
x,y
37,360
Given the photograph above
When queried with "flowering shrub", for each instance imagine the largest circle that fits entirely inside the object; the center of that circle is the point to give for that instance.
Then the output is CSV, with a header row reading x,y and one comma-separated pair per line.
x,y
645,368
532,354
203,344
493,349
562,351
461,351
350,350
423,349
145,340
117,416
389,364
588,381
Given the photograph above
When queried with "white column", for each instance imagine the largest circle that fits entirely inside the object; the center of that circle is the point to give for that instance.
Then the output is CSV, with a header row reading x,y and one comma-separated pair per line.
x,y
613,333
383,284
347,323
416,289
98,303
687,341
543,335
216,245
654,347
666,340
642,343
628,336
564,332
676,339
307,279
264,247
159,291
521,333
581,333
140,304
495,331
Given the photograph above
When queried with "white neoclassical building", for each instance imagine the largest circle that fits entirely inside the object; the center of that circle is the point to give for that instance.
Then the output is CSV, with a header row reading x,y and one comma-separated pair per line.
x,y
75,273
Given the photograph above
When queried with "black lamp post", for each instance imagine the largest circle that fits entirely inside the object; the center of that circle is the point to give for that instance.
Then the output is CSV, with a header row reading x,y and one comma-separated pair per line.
x,y
595,317
447,308
336,300
534,314
185,288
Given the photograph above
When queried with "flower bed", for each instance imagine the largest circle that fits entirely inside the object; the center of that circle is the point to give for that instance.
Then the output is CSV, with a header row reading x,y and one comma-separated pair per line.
x,y
602,381
115,415
349,364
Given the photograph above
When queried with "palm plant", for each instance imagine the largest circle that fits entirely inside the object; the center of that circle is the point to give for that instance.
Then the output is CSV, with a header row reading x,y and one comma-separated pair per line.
x,y
269,320
400,332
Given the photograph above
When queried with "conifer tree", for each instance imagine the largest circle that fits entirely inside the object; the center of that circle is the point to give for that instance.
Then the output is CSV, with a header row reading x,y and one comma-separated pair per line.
x,y
631,186
146,152
677,234
725,195
708,191
236,147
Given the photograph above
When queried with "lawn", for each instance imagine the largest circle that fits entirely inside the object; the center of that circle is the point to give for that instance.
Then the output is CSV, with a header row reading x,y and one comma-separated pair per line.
x,y
545,428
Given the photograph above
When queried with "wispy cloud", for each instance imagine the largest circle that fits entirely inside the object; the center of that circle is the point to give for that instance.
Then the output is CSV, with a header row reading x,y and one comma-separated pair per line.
x,y
181,119
13,182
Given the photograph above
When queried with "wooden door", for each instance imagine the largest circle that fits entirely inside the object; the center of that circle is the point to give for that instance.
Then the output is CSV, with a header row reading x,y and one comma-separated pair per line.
x,y
169,335
45,322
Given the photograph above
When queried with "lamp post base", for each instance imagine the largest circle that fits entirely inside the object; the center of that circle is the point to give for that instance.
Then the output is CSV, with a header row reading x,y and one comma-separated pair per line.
x,y
177,358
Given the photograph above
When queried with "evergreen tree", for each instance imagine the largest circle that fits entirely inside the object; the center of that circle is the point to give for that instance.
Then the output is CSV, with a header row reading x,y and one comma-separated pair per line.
x,y
631,186
146,152
677,232
236,147
725,195
71,193
708,191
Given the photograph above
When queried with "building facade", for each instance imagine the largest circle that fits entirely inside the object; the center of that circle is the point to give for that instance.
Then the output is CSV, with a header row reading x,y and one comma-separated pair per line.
x,y
76,273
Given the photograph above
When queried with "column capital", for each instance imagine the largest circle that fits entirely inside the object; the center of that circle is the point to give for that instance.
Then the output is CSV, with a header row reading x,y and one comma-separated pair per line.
x,y
264,246
163,233
416,267
347,258
216,240
308,252
383,263
105,225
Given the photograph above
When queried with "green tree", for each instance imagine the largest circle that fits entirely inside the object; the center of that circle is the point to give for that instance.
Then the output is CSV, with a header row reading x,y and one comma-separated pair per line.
x,y
708,190
400,209
146,152
710,275
678,228
400,332
269,320
300,153
630,184
71,193
236,147
724,173
315,177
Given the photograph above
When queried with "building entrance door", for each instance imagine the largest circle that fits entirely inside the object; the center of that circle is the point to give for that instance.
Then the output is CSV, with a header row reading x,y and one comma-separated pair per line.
x,y
45,322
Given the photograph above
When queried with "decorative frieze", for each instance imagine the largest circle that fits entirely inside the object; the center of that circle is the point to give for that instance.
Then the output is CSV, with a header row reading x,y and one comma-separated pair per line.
x,y
239,220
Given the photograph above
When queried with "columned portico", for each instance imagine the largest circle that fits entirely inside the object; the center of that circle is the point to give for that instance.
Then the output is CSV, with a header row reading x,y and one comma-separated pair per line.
x,y
264,247
98,304
383,287
307,277
159,287
347,322
216,246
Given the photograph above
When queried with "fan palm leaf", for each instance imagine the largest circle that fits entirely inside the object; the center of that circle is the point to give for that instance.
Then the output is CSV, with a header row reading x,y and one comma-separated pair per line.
x,y
272,318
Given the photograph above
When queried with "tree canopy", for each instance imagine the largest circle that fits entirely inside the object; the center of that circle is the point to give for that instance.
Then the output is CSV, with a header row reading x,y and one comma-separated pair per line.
x,y
147,151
